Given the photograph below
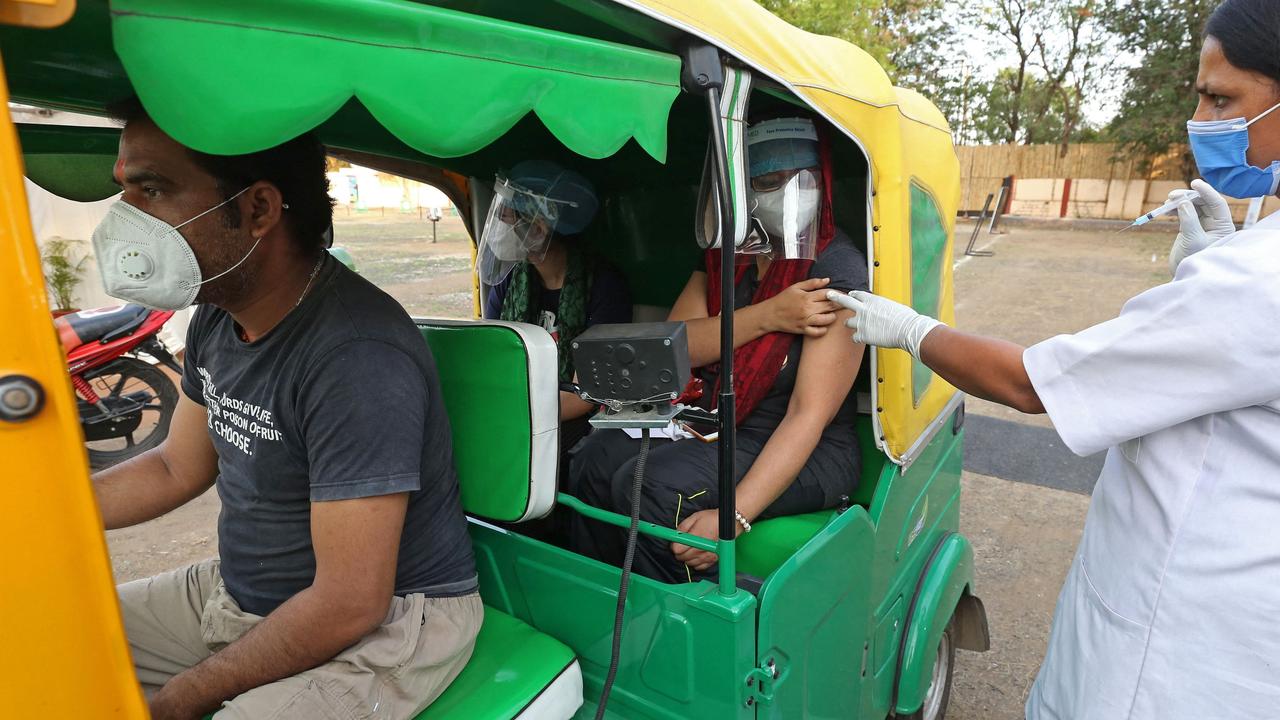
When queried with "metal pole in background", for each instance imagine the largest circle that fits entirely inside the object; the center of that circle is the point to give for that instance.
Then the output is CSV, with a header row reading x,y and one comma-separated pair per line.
x,y
977,228
998,210
1006,197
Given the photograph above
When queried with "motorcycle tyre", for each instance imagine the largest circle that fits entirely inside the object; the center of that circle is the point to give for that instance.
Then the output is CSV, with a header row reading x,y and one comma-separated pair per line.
x,y
165,392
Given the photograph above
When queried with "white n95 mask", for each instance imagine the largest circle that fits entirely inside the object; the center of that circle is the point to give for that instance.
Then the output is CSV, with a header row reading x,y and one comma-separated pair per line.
x,y
145,260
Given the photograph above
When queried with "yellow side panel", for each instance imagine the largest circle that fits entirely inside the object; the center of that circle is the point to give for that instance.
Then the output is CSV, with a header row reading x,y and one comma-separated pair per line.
x,y
928,158
36,13
64,653
900,149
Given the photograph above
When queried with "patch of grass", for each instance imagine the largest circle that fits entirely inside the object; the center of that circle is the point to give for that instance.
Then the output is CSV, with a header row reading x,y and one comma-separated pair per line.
x,y
447,305
403,268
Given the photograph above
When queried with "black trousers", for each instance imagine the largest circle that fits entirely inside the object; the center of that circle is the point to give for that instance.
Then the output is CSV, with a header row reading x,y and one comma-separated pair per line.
x,y
681,479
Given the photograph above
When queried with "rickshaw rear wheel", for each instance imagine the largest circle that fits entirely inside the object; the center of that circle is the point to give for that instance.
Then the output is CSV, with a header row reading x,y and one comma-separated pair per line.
x,y
938,697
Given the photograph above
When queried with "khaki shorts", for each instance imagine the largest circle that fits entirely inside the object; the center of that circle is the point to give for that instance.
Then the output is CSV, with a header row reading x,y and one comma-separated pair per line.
x,y
179,618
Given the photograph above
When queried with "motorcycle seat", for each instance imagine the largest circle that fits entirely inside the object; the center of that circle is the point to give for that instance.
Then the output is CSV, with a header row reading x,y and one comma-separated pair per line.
x,y
105,324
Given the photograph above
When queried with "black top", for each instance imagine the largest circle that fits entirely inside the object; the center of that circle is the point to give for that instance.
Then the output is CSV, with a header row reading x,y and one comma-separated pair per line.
x,y
845,264
609,301
340,400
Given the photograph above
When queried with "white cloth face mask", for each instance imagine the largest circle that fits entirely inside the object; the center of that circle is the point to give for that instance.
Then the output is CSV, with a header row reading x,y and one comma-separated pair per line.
x,y
790,214
145,260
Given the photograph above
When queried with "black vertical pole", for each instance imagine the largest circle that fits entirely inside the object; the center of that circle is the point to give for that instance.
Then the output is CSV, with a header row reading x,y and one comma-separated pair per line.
x,y
725,402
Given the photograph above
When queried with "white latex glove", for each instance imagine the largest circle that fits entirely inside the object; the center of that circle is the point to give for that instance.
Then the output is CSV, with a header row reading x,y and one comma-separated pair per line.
x,y
884,323
1201,222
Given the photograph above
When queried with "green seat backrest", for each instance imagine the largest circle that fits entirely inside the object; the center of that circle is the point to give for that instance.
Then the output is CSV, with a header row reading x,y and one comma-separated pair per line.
x,y
501,388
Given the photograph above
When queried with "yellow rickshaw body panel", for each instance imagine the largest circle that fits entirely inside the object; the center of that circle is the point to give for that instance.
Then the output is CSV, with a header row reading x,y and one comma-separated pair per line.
x,y
58,598
36,13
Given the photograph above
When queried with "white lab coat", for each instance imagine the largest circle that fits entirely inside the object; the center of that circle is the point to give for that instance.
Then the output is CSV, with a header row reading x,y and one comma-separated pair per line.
x,y
1171,610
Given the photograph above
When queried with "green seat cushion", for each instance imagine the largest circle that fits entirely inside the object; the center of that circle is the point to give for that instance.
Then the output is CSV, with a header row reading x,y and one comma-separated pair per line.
x,y
771,542
511,665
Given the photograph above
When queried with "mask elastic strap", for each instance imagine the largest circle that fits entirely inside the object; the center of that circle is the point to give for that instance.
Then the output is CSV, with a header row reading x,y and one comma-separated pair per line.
x,y
215,207
233,267
1268,112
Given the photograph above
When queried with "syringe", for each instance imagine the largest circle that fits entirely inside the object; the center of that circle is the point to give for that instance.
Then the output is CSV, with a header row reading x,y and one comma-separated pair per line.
x,y
1164,209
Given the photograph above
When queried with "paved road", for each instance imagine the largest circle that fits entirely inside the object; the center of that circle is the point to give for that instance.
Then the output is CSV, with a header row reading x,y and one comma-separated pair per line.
x,y
1026,453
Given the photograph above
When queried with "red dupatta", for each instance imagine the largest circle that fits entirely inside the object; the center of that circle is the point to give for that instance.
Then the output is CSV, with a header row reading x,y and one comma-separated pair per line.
x,y
756,364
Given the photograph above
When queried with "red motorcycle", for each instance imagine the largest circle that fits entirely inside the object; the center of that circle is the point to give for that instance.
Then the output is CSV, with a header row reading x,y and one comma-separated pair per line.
x,y
125,402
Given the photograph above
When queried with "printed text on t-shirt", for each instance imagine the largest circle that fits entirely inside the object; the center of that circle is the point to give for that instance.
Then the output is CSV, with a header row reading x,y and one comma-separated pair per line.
x,y
236,421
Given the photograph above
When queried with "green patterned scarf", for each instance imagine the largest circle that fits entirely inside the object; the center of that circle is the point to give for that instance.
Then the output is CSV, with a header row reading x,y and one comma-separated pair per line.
x,y
522,302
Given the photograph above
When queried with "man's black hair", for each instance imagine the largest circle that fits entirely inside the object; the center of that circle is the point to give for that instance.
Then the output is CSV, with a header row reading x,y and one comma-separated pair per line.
x,y
296,168
1249,31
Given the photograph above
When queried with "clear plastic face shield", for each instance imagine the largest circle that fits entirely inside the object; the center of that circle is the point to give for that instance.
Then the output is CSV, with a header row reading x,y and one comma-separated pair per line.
x,y
786,213
786,188
517,229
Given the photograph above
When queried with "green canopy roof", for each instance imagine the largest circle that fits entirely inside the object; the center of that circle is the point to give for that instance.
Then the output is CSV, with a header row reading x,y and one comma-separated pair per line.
x,y
238,76
71,162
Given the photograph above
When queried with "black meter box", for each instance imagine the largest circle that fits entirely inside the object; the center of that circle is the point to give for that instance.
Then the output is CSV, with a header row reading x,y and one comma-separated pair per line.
x,y
633,363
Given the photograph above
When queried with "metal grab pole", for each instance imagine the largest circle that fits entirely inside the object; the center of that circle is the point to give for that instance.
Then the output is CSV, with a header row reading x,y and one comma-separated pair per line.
x,y
725,402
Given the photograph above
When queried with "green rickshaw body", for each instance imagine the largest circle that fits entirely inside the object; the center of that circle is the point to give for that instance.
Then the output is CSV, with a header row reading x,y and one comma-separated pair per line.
x,y
854,601
829,619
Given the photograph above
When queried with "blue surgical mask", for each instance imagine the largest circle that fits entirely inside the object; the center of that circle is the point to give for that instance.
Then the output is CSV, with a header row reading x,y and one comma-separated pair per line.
x,y
1219,147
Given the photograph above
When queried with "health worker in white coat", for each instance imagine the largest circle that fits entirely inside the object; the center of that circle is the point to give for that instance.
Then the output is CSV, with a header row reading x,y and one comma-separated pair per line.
x,y
1171,609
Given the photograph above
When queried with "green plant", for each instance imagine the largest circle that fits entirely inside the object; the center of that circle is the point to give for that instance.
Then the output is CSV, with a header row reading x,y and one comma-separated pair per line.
x,y
61,272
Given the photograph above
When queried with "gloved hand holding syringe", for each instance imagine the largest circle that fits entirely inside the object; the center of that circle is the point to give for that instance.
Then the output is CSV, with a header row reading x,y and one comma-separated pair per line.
x,y
1165,209
1204,218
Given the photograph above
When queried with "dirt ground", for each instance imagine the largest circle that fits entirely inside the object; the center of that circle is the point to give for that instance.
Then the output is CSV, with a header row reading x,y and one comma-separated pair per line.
x,y
1039,283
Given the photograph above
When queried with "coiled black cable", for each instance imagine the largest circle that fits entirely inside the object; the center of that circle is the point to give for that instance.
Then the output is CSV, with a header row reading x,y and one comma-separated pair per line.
x,y
632,533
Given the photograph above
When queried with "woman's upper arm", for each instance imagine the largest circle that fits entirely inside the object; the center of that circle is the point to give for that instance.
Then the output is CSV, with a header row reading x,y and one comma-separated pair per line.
x,y
828,367
692,303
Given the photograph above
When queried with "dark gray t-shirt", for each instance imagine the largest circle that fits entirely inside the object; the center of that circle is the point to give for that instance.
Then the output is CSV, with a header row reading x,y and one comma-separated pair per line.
x,y
845,264
339,401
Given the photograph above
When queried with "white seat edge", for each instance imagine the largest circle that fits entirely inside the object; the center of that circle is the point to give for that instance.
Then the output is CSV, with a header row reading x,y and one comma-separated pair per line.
x,y
558,701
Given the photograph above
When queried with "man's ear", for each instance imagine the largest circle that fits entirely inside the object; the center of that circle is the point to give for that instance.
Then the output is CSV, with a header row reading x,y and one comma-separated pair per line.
x,y
266,208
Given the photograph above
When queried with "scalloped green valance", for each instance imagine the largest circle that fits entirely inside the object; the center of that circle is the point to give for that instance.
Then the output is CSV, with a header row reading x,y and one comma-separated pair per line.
x,y
237,76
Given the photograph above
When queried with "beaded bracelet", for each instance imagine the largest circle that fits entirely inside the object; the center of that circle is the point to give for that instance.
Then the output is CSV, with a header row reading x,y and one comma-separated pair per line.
x,y
746,526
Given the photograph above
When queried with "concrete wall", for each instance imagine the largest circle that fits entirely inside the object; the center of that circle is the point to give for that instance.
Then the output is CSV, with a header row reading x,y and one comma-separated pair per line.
x,y
1104,199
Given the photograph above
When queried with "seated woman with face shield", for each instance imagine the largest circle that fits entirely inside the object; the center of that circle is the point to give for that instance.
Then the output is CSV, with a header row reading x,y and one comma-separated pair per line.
x,y
797,451
538,271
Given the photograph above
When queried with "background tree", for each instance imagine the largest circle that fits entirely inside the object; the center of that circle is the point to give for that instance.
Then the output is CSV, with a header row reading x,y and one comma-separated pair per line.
x,y
1056,51
925,57
1010,23
1053,56
1072,55
1159,86
911,39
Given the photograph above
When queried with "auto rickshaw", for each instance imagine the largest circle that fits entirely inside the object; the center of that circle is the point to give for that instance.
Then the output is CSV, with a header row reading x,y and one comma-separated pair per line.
x,y
857,611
